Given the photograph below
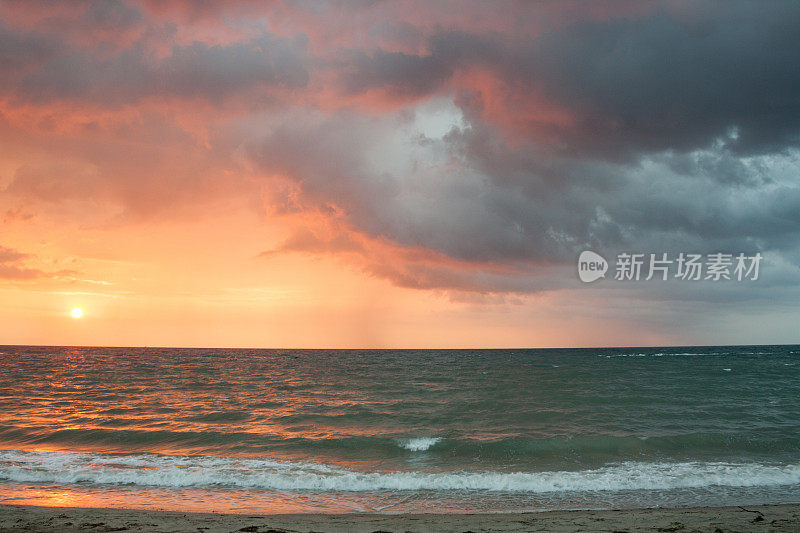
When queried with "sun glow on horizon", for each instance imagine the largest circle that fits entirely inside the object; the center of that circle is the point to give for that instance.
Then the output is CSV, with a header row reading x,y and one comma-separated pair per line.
x,y
76,312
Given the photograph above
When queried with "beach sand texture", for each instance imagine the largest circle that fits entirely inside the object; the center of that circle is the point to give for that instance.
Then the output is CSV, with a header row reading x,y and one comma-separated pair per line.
x,y
20,518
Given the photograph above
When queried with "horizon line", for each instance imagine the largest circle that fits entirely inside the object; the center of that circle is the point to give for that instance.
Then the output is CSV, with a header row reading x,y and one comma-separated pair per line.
x,y
395,348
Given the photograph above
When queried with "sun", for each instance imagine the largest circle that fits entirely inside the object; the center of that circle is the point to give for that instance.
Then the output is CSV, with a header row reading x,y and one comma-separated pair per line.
x,y
76,312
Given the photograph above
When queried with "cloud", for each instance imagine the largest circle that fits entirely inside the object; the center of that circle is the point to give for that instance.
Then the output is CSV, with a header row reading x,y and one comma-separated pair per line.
x,y
679,81
672,79
306,240
16,214
11,265
441,150
198,70
476,199
54,183
8,255
403,75
64,57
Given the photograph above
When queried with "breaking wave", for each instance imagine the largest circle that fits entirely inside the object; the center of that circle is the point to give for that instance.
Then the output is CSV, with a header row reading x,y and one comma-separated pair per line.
x,y
206,471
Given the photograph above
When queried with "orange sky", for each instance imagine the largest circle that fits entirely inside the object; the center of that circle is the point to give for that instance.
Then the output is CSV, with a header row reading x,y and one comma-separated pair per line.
x,y
188,283
400,175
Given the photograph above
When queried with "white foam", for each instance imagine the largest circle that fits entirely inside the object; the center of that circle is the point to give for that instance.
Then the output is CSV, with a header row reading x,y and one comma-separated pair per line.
x,y
662,354
419,444
205,471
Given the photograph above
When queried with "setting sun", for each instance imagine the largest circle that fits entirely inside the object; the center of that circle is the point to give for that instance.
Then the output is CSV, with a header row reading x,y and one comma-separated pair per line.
x,y
76,312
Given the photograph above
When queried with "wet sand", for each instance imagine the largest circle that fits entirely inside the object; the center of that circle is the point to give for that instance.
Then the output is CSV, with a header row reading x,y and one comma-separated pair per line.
x,y
713,519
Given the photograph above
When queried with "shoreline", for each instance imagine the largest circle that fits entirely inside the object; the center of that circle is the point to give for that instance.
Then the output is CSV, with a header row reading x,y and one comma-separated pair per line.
x,y
29,518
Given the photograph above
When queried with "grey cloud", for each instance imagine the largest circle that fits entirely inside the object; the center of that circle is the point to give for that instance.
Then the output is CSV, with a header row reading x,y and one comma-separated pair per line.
x,y
399,73
21,52
216,71
49,69
672,82
669,80
473,197
112,15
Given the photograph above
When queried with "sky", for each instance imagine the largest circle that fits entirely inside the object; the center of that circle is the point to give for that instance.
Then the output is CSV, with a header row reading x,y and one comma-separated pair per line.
x,y
395,174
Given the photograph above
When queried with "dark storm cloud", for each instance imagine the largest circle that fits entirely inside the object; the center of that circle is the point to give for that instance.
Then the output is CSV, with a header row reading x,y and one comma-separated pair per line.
x,y
399,73
684,136
474,198
705,200
663,82
667,80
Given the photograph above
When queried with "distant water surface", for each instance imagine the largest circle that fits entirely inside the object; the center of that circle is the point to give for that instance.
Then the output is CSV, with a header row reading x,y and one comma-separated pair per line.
x,y
399,430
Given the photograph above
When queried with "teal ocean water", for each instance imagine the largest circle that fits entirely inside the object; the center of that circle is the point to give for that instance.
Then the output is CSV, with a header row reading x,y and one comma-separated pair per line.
x,y
399,430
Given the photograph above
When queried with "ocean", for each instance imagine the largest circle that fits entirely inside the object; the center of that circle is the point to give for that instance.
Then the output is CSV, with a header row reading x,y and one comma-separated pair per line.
x,y
397,431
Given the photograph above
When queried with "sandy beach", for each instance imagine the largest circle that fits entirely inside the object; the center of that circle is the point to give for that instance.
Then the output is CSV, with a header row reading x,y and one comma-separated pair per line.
x,y
712,519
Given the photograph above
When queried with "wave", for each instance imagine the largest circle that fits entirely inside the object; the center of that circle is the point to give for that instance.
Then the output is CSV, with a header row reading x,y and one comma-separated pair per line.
x,y
676,354
206,471
774,443
419,444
